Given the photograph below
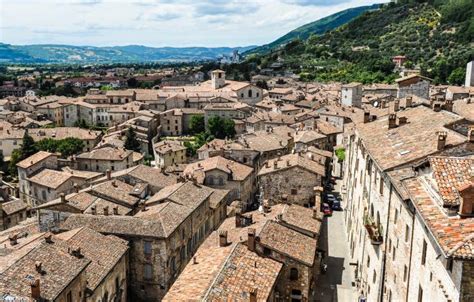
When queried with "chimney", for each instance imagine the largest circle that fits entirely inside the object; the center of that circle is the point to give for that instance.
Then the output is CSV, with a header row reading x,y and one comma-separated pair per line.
x,y
470,134
279,217
275,164
402,120
35,290
267,164
114,183
366,117
251,240
409,101
63,197
13,239
108,173
466,192
253,295
115,209
287,162
223,238
77,252
106,211
48,238
448,105
39,267
442,135
76,188
392,121
396,105
437,107
94,210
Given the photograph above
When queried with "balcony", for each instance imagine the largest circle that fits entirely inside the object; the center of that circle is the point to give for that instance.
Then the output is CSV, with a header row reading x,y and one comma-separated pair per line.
x,y
374,230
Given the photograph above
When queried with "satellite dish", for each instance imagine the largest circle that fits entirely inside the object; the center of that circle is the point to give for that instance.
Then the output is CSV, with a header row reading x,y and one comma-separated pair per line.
x,y
376,104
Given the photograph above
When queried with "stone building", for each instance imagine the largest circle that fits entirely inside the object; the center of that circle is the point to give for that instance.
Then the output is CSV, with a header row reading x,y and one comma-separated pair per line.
x,y
221,173
79,265
235,110
232,150
168,153
381,217
163,236
105,158
413,85
12,212
351,95
246,258
276,178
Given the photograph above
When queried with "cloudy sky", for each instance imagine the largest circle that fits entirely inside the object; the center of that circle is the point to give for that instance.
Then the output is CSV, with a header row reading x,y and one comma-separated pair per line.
x,y
159,22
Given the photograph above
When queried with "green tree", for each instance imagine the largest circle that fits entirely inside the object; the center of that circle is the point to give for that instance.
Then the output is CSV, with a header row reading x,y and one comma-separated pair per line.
x,y
131,142
221,127
70,146
14,159
47,144
457,76
28,146
196,125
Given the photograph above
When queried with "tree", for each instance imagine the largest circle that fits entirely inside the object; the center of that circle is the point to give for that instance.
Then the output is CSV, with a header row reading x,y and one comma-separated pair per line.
x,y
28,146
70,146
131,142
132,83
221,127
262,84
196,125
14,159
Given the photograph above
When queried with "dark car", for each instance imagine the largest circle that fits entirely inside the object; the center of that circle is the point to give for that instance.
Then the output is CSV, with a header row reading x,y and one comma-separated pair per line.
x,y
336,205
327,211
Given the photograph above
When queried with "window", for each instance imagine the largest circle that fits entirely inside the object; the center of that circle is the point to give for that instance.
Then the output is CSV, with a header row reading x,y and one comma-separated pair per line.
x,y
294,192
449,264
423,253
420,293
394,253
407,233
375,277
395,217
148,272
267,251
250,93
69,297
147,248
293,274
381,186
405,273
368,261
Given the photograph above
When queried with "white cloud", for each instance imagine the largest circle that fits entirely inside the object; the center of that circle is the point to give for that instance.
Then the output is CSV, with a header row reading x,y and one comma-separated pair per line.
x,y
159,22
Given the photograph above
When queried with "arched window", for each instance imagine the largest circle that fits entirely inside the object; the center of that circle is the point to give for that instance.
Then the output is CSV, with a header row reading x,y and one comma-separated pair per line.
x,y
372,210
293,274
250,93
221,181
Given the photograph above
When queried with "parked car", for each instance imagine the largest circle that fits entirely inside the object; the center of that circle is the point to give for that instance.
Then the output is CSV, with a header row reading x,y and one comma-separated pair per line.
x,y
330,198
327,211
336,205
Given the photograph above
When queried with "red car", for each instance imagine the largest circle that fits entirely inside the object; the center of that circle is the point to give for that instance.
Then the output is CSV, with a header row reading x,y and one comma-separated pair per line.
x,y
327,211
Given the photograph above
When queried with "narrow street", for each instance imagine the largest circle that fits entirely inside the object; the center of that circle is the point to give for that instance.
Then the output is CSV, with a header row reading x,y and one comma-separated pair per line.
x,y
336,284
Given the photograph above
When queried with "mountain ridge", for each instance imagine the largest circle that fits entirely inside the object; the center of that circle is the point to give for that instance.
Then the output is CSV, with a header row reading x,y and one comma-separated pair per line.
x,y
63,53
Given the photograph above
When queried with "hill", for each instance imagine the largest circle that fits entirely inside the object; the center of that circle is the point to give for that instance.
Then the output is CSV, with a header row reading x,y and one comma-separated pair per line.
x,y
52,53
436,36
314,28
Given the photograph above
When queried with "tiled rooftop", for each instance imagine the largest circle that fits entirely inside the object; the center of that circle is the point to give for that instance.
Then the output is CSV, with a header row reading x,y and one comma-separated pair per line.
x,y
415,140
288,242
290,161
237,170
103,251
106,153
243,272
451,173
34,159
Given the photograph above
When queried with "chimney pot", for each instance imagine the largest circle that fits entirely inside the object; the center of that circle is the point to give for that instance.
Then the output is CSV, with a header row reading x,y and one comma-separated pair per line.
x,y
466,193
106,210
409,101
402,120
448,105
251,240
253,295
48,238
392,121
366,117
39,267
315,213
13,239
223,238
396,105
63,197
109,174
35,290
94,210
442,135
76,188
115,209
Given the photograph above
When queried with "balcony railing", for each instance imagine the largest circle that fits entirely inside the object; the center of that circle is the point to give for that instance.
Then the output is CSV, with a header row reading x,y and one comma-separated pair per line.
x,y
374,230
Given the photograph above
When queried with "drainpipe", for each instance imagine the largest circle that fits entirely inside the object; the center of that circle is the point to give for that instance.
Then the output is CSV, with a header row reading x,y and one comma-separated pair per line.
x,y
384,255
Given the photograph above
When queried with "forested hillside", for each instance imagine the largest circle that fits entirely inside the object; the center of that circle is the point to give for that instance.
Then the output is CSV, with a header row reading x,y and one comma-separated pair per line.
x,y
436,36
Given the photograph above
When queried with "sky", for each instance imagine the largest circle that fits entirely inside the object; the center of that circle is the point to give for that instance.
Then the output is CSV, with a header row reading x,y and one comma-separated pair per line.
x,y
158,23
